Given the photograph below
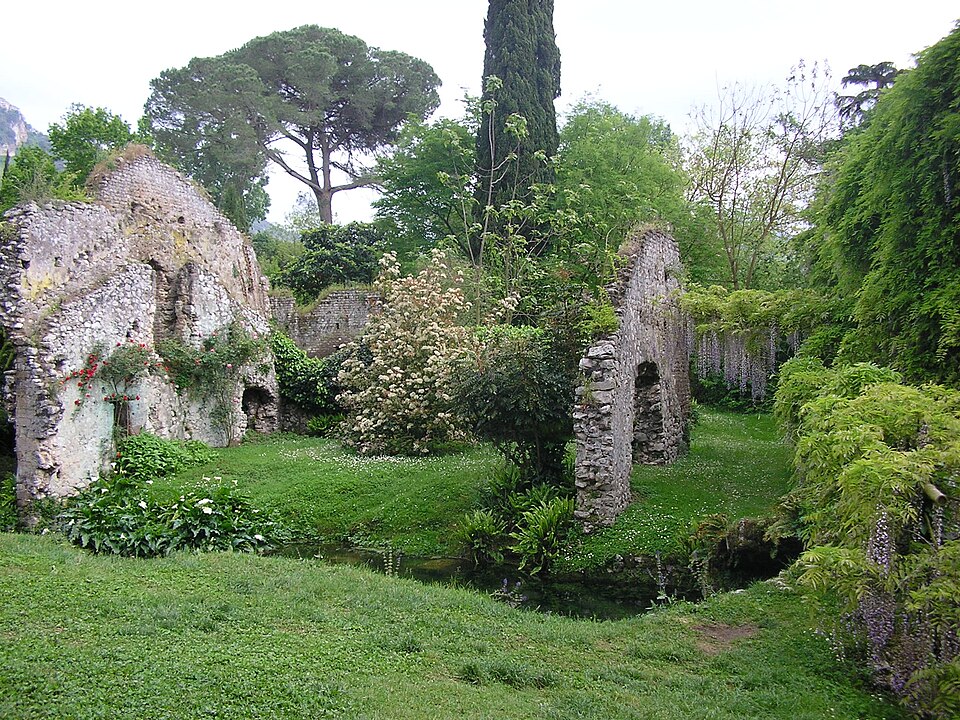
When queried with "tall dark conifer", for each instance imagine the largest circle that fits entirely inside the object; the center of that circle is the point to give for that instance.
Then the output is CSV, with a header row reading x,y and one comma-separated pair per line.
x,y
522,52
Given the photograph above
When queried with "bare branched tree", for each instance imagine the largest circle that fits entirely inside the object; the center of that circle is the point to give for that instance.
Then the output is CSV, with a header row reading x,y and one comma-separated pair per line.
x,y
754,159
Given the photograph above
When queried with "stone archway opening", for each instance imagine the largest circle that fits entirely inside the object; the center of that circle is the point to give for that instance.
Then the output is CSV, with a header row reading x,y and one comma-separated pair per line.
x,y
648,441
260,408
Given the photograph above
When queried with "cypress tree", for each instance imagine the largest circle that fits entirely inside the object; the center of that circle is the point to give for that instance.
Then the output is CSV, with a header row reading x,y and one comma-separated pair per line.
x,y
521,51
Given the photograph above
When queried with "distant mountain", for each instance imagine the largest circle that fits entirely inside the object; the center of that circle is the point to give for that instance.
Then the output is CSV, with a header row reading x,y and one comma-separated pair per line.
x,y
15,132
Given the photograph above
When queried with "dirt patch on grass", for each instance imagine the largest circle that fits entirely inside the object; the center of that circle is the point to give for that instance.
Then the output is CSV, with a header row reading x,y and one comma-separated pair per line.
x,y
714,638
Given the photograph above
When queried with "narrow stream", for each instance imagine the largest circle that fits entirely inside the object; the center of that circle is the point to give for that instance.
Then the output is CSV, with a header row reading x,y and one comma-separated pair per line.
x,y
574,597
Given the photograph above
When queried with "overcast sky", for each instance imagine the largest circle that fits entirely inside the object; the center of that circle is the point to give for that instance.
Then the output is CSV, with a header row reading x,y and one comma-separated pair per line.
x,y
661,58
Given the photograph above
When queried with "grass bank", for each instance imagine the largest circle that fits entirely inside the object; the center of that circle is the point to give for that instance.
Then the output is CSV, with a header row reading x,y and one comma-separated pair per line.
x,y
238,636
321,491
737,466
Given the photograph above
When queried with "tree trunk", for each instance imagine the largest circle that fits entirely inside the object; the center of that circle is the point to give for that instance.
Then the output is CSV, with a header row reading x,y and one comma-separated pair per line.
x,y
324,204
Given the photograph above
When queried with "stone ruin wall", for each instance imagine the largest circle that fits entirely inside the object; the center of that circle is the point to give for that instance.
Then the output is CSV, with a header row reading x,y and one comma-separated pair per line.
x,y
150,259
332,322
634,400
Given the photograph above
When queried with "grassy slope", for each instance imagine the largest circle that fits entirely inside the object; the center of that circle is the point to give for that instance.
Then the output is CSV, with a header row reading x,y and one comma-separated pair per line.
x,y
322,491
237,637
737,465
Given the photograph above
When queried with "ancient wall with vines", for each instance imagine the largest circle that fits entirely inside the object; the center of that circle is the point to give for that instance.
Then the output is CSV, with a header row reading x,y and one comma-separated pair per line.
x,y
150,262
634,398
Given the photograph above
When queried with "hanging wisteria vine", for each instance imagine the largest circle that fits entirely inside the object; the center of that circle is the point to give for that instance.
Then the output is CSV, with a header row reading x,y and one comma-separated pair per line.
x,y
742,336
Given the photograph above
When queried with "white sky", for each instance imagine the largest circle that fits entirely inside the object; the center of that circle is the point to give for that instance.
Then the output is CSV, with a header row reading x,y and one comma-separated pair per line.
x,y
660,58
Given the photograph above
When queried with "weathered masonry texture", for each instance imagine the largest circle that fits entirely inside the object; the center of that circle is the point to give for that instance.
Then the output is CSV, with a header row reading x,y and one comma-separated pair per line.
x,y
634,400
332,322
151,258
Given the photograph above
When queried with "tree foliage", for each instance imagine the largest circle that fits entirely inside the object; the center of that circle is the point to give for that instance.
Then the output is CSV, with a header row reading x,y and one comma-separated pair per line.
x,y
518,393
427,186
877,506
873,79
33,177
86,136
521,53
890,232
333,254
616,171
754,161
326,94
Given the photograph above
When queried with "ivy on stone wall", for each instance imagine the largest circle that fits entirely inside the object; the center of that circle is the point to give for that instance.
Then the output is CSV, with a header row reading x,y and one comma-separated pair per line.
x,y
212,370
309,383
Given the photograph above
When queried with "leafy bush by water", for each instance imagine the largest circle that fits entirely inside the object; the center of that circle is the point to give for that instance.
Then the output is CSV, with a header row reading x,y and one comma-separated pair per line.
x,y
116,516
542,533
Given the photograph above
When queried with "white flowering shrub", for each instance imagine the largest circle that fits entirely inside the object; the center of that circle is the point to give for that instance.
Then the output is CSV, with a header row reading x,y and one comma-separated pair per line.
x,y
399,376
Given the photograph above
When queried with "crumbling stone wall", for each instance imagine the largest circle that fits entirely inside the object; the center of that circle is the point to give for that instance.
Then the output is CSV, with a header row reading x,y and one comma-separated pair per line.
x,y
634,400
333,321
150,259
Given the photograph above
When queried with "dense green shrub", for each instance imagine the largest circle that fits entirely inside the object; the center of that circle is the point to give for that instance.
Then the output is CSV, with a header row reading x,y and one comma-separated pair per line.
x,y
116,515
333,254
145,457
889,234
481,535
518,393
542,533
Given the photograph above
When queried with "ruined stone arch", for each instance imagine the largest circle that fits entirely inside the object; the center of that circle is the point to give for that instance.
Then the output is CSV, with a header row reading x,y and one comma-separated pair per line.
x,y
634,398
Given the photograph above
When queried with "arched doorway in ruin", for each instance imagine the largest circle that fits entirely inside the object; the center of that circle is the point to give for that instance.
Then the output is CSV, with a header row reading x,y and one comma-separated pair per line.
x,y
260,408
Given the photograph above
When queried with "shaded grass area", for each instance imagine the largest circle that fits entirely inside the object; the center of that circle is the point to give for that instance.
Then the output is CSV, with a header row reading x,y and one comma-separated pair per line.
x,y
737,465
321,491
239,636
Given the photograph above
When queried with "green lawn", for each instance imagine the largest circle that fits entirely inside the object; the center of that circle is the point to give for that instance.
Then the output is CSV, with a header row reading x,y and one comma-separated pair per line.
x,y
239,636
737,465
321,491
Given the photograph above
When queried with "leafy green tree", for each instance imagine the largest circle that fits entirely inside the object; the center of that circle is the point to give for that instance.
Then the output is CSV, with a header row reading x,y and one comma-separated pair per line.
x,y
521,53
890,231
325,94
333,254
85,136
33,177
427,187
617,171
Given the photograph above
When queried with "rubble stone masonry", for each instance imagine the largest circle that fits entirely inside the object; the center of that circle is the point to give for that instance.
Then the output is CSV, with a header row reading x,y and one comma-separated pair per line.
x,y
634,399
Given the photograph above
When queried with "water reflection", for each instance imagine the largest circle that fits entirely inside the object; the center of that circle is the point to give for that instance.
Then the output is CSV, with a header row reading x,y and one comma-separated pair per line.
x,y
581,597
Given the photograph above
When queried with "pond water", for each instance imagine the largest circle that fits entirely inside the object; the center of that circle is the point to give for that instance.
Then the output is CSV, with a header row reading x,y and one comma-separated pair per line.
x,y
581,597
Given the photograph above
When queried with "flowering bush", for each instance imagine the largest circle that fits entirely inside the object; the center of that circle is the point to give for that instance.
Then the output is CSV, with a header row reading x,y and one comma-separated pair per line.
x,y
116,374
879,508
398,379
